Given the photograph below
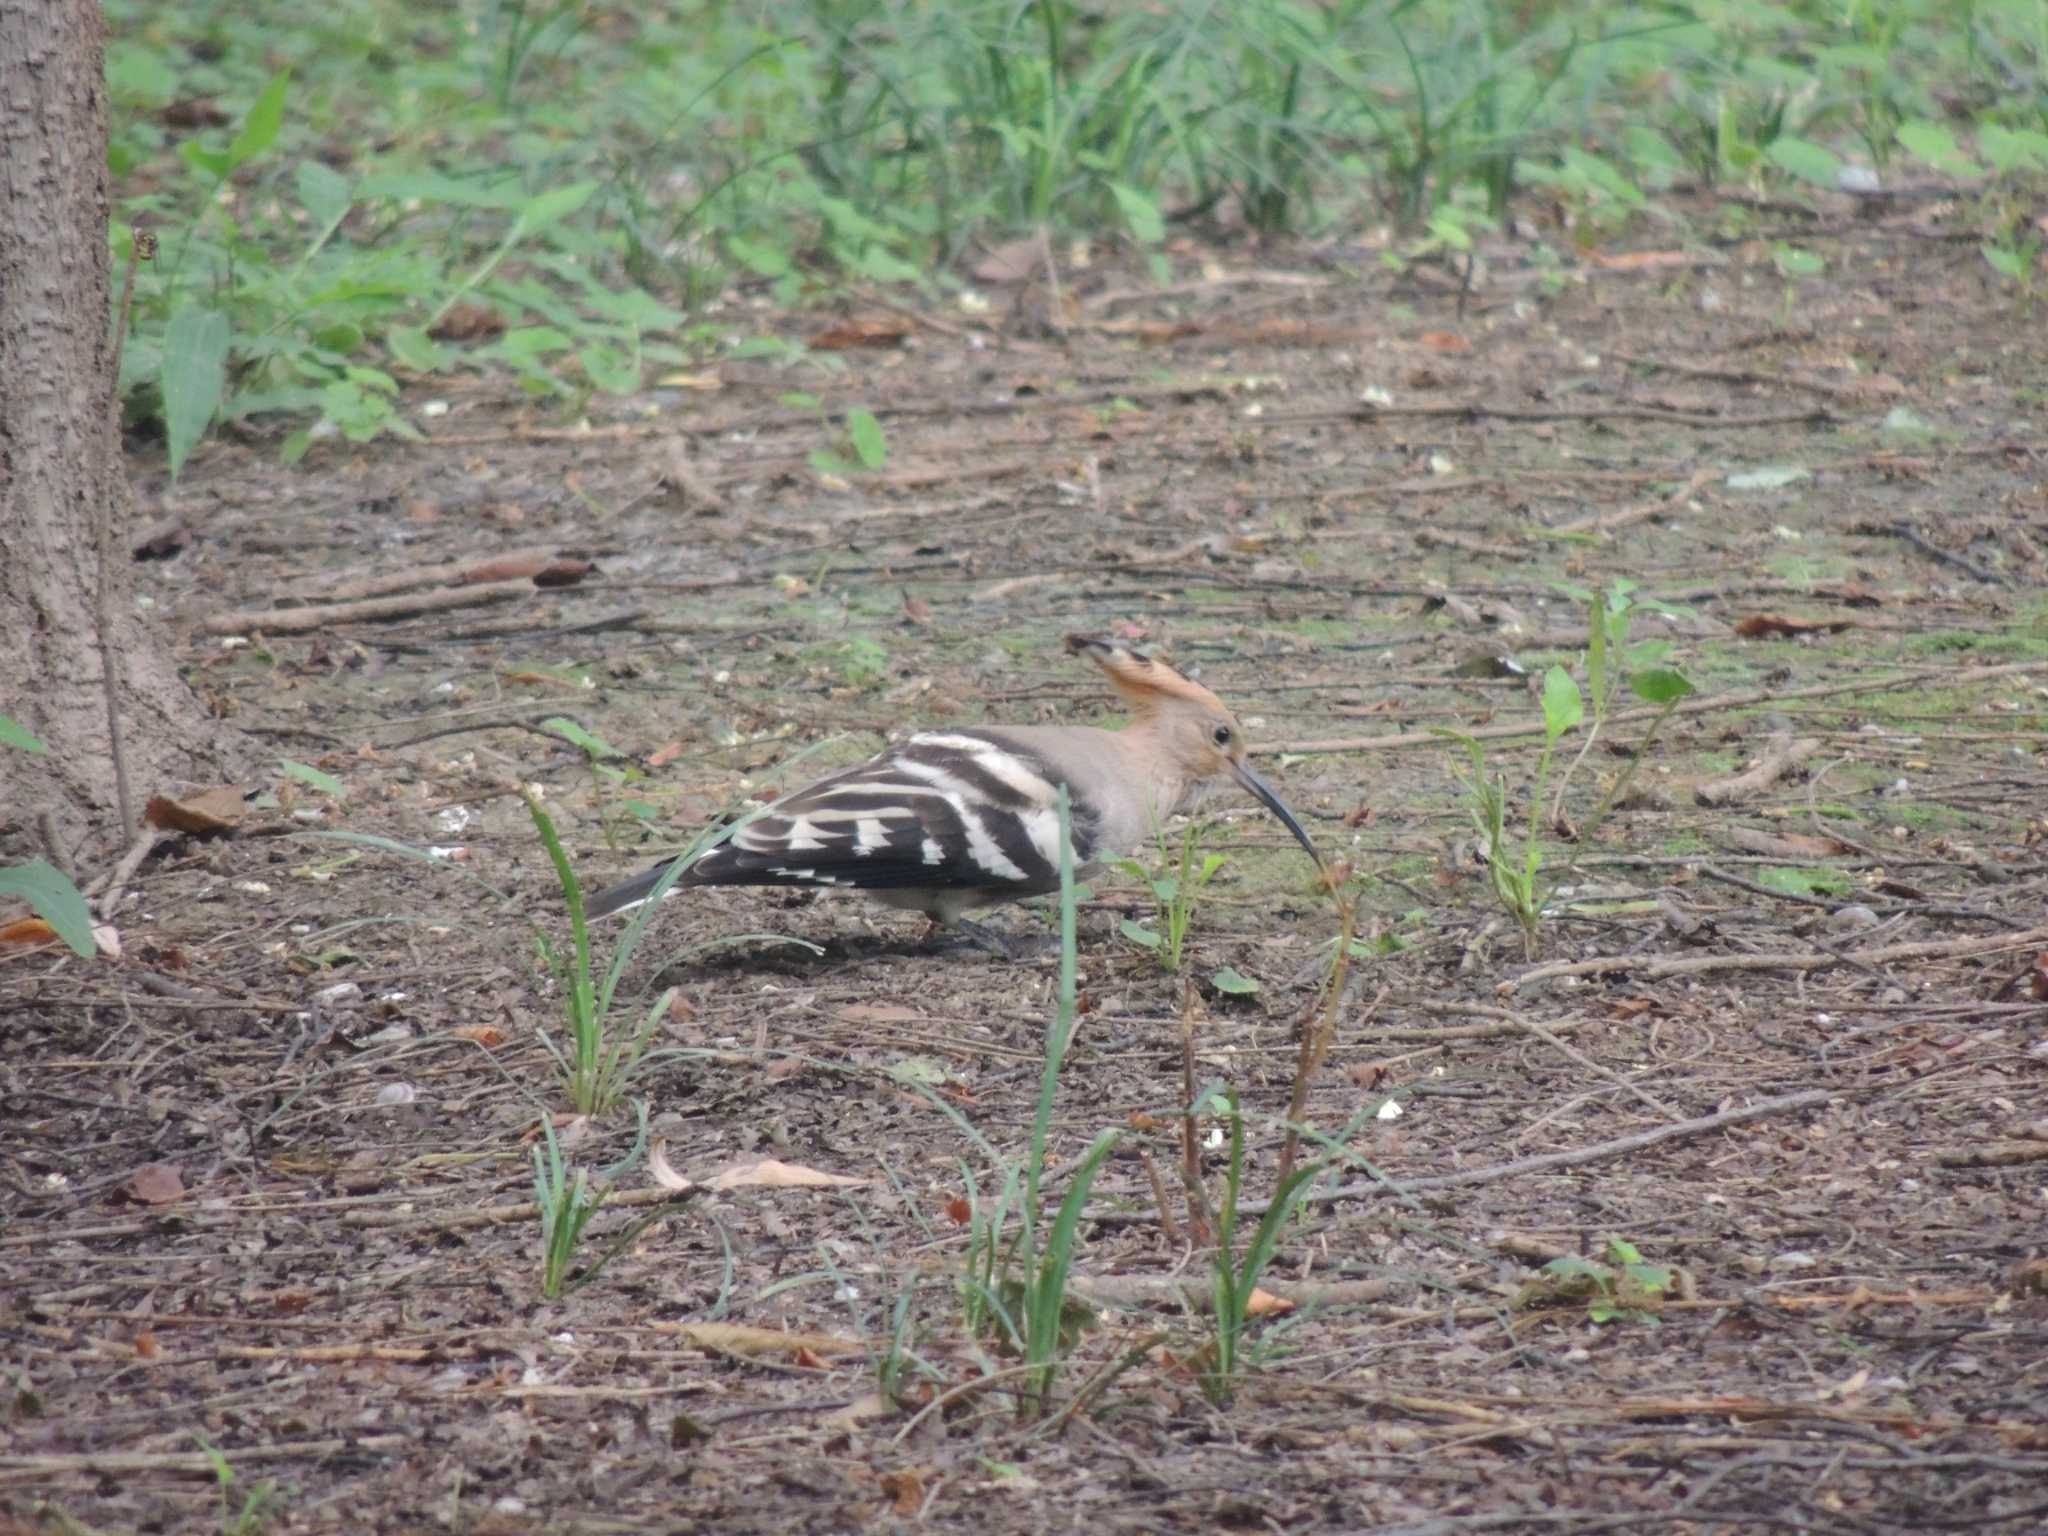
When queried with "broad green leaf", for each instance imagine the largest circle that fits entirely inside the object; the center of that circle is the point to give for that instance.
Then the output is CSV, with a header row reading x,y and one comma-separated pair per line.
x,y
209,162
1231,980
1138,934
1563,707
757,256
194,373
1660,685
18,736
555,205
140,76
342,337
1791,261
1933,143
610,369
1806,160
323,193
2007,263
1140,212
800,400
2013,149
1793,881
305,773
52,897
868,440
259,128
411,347
577,736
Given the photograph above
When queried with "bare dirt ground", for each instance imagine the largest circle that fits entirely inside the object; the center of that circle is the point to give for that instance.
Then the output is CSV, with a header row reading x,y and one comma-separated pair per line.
x,y
265,1175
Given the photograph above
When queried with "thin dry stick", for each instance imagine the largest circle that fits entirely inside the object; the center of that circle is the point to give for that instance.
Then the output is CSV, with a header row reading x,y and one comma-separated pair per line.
x,y
194,1461
1695,706
1598,1152
1169,1227
1821,960
1607,522
1780,759
1573,1053
103,599
284,621
497,1215
1318,1032
1190,1152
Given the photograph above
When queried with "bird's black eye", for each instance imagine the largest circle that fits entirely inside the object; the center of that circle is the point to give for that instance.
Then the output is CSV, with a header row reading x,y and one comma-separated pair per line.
x,y
1221,735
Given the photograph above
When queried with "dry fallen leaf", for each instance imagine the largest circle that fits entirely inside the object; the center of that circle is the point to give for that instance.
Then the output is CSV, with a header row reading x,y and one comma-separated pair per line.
x,y
26,933
906,1492
488,1036
663,1170
768,1173
862,331
220,809
738,1339
155,1184
1760,625
1263,1303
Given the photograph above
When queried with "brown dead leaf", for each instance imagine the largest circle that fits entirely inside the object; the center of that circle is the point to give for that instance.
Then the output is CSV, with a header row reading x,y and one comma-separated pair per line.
x,y
1631,1007
468,322
1641,261
220,809
1011,262
862,331
917,610
808,1358
862,1410
759,1343
146,1345
878,1013
1263,1303
663,1170
26,933
1758,626
771,1173
2037,981
1783,845
664,754
489,1036
906,1492
194,112
155,1184
1444,341
959,1211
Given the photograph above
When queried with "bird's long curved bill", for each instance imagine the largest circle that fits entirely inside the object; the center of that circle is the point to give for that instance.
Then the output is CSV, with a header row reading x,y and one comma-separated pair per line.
x,y
1273,803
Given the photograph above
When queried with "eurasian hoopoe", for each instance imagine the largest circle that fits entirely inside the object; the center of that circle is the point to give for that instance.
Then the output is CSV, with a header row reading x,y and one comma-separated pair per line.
x,y
944,822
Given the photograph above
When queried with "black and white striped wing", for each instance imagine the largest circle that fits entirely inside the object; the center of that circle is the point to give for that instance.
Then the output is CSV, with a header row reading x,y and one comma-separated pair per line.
x,y
964,810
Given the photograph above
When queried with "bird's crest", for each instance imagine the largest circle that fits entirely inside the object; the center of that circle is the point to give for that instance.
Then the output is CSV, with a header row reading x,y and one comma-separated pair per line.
x,y
1143,682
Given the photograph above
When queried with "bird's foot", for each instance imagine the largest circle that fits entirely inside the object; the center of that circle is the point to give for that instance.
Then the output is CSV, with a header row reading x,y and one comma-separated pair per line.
x,y
960,929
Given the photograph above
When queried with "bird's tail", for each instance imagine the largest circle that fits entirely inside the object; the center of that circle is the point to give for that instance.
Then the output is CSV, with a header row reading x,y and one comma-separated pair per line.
x,y
630,893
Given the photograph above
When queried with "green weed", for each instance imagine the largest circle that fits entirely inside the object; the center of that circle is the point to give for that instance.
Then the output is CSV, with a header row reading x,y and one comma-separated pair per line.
x,y
49,892
1015,1286
1618,1287
1177,888
567,1200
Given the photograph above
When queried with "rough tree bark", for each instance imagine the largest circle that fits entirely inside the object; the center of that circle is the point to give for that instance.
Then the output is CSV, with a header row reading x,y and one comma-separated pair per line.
x,y
65,504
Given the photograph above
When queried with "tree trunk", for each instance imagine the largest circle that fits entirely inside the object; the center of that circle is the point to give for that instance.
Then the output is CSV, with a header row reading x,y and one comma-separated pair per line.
x,y
67,607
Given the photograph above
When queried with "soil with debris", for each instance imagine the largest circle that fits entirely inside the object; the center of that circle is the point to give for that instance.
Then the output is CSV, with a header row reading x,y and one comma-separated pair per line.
x,y
268,1252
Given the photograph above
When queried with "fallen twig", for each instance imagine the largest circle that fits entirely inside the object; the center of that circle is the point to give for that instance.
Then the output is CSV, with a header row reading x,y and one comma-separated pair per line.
x,y
1782,757
292,621
1695,706
1811,960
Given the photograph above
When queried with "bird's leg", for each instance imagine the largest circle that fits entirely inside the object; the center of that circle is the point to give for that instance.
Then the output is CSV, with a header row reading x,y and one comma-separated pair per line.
x,y
982,938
